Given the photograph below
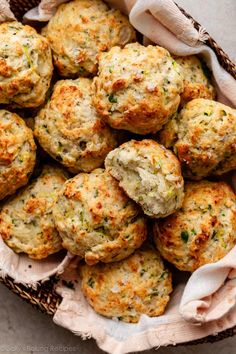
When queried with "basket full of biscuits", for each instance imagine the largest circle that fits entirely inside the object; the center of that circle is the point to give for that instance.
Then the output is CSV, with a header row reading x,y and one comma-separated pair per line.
x,y
117,160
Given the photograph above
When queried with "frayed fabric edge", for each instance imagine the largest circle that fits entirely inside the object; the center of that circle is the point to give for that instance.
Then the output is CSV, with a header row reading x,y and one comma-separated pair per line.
x,y
35,283
203,36
5,11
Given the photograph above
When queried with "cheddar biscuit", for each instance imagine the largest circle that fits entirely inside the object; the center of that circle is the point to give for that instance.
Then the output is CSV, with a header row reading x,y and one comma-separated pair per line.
x,y
138,88
69,129
205,140
124,290
26,222
17,153
25,65
203,230
96,220
150,175
196,82
80,30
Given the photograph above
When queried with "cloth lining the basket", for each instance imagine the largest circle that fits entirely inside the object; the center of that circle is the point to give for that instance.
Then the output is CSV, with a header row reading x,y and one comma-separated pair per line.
x,y
27,271
5,11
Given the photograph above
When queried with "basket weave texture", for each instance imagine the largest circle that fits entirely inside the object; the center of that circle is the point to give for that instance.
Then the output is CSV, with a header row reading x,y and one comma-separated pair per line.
x,y
45,298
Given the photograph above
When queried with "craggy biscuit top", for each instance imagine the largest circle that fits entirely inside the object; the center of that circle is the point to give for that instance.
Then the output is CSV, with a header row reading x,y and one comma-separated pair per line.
x,y
96,220
17,153
150,174
138,88
125,290
25,65
80,30
26,222
69,129
203,230
196,79
206,138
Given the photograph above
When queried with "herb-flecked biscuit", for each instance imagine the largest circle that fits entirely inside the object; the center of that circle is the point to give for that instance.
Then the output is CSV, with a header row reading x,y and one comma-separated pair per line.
x,y
203,230
150,175
17,153
26,221
80,30
168,135
96,219
196,82
205,140
138,88
69,129
25,65
124,290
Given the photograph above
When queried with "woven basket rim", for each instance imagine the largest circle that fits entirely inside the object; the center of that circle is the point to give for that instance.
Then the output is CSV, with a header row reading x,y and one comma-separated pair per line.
x,y
45,298
223,58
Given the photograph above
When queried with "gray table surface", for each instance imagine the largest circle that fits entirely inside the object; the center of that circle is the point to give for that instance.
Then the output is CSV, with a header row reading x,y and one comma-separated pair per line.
x,y
23,329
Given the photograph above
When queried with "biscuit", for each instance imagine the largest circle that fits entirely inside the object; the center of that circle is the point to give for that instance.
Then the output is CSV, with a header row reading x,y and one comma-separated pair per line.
x,y
80,30
196,79
26,222
206,138
96,220
168,135
138,88
150,175
25,65
139,284
203,230
17,153
69,129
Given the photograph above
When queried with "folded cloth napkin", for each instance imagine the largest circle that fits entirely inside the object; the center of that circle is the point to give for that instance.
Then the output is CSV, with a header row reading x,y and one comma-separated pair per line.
x,y
210,292
44,11
28,271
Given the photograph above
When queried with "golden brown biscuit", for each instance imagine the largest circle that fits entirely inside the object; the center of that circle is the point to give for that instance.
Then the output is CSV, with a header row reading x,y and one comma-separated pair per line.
x,y
203,230
96,220
69,129
80,30
17,153
196,82
168,135
26,222
150,175
25,65
206,138
138,88
125,290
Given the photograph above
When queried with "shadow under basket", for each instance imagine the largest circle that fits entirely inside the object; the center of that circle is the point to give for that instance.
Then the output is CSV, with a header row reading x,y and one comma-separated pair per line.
x,y
45,298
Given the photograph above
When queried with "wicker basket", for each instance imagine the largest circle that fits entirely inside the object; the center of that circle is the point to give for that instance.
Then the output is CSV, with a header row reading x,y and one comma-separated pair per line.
x,y
45,298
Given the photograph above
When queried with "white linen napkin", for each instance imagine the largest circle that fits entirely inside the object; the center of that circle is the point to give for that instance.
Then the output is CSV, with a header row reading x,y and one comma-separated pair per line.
x,y
28,271
44,11
210,292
